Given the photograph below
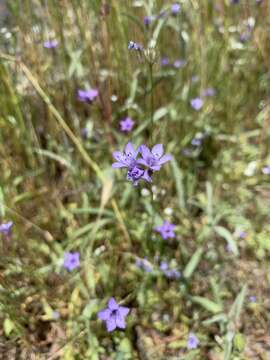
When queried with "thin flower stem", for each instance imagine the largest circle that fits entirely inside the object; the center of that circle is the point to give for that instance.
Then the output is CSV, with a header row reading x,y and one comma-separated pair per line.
x,y
151,102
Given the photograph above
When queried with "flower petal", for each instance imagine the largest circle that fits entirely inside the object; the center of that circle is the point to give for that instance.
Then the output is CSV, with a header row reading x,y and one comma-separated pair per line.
x,y
111,324
104,314
157,151
119,156
130,151
123,310
112,304
146,153
165,158
120,322
117,165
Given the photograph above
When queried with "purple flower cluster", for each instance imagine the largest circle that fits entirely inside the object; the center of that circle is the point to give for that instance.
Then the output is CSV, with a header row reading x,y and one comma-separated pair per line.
x,y
142,168
168,272
134,46
166,230
114,315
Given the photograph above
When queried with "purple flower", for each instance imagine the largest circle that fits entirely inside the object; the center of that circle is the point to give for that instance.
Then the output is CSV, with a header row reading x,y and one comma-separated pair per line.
x,y
196,103
50,44
87,95
165,61
126,124
252,298
209,92
240,234
5,228
266,170
135,174
148,19
134,46
153,159
175,8
196,141
114,315
193,341
127,158
179,63
169,273
144,264
71,260
166,230
194,78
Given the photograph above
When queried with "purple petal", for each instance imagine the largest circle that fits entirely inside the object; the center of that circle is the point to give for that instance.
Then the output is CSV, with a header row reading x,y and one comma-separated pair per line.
x,y
147,177
118,155
142,161
123,310
111,324
104,314
117,165
164,159
146,153
157,151
112,304
120,322
130,151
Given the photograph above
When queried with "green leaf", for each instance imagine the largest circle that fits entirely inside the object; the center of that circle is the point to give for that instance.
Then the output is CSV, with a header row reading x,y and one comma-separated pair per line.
x,y
178,176
8,326
238,304
193,263
221,231
207,304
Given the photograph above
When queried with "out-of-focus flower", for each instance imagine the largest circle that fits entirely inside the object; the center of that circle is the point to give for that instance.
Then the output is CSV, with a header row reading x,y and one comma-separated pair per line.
x,y
148,19
175,8
144,264
5,228
266,170
196,103
165,61
71,260
166,230
87,95
179,63
240,234
168,272
153,159
193,342
114,315
209,92
50,44
194,78
134,46
252,298
126,124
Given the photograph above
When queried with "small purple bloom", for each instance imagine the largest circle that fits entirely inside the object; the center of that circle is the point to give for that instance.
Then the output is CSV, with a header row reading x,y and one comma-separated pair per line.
x,y
266,170
135,174
196,103
5,228
134,46
153,159
244,37
87,95
144,264
166,230
165,61
114,315
126,124
252,298
175,8
193,341
71,260
179,63
148,19
127,158
196,142
50,44
209,92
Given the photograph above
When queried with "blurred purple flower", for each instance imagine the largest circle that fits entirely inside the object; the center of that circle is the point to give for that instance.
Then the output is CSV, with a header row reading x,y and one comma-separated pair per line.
x,y
148,19
126,124
209,92
244,37
71,260
196,141
153,159
166,230
169,273
50,44
252,298
175,8
229,248
114,315
240,234
193,341
266,170
194,78
144,264
179,63
87,95
5,228
165,61
196,103
234,2
134,46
